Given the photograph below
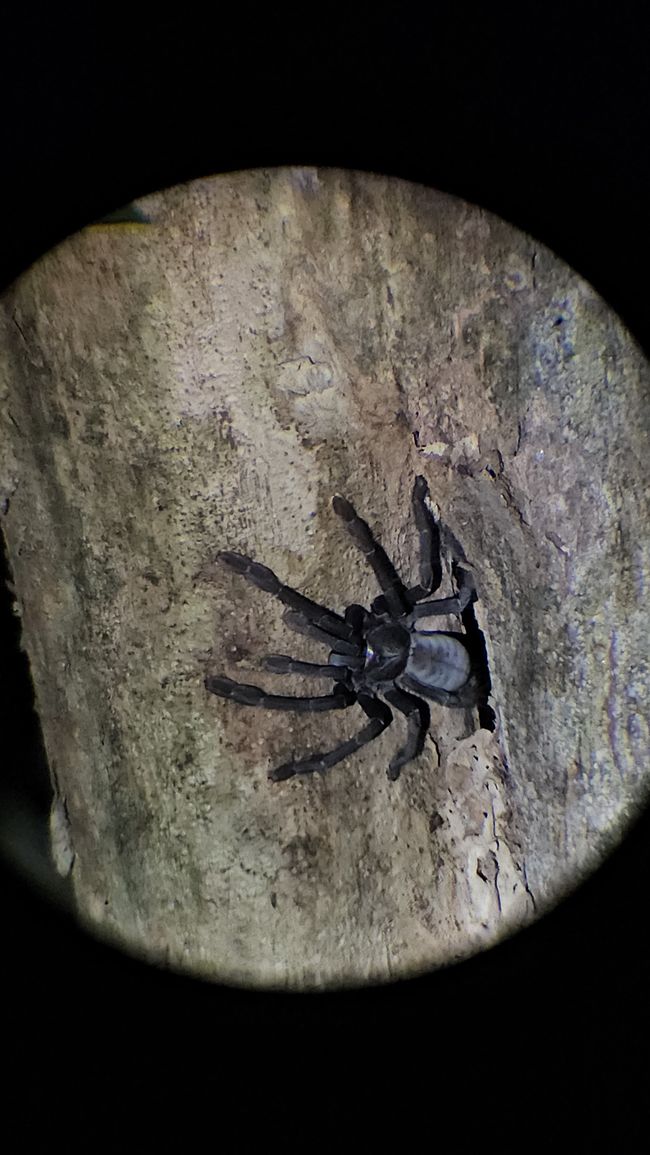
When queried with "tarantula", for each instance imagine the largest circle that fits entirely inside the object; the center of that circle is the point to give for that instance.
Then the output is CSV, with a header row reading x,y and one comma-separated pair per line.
x,y
376,651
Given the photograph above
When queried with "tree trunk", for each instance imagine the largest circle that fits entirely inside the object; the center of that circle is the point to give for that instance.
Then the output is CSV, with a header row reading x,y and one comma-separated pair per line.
x,y
207,381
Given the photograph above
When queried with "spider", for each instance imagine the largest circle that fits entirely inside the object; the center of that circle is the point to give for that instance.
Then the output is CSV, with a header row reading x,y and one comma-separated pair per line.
x,y
378,651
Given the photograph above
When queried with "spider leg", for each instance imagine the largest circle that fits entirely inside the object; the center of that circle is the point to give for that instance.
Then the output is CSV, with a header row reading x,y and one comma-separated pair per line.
x,y
419,716
253,696
438,607
431,568
430,563
454,605
281,664
397,599
355,616
301,625
380,717
465,584
429,534
264,578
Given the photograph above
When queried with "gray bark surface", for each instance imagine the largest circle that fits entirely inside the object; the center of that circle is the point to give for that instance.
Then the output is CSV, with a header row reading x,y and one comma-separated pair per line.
x,y
208,381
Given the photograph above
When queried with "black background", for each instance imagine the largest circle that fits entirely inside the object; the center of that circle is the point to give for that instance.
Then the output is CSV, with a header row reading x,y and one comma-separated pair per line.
x,y
539,114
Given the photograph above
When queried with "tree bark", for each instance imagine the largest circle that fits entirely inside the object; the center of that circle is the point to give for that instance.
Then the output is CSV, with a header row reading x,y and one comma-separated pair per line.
x,y
207,381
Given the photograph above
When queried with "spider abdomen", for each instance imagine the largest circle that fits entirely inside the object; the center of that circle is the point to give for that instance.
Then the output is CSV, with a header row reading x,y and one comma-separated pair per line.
x,y
438,661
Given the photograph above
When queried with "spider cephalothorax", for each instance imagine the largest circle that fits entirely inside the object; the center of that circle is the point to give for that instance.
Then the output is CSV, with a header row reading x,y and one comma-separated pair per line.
x,y
377,651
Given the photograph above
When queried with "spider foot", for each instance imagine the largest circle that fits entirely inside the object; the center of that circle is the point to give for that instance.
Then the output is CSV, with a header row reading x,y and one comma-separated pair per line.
x,y
420,488
224,687
260,575
281,773
394,770
289,769
465,585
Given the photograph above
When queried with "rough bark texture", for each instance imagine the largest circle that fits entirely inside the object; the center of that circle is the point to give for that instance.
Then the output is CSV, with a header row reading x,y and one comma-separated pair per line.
x,y
208,381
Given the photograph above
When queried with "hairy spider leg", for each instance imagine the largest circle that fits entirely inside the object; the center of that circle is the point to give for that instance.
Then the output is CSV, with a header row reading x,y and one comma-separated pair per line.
x,y
395,593
430,562
465,584
355,616
300,624
419,716
429,535
245,695
380,717
441,606
431,567
454,605
282,664
264,578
